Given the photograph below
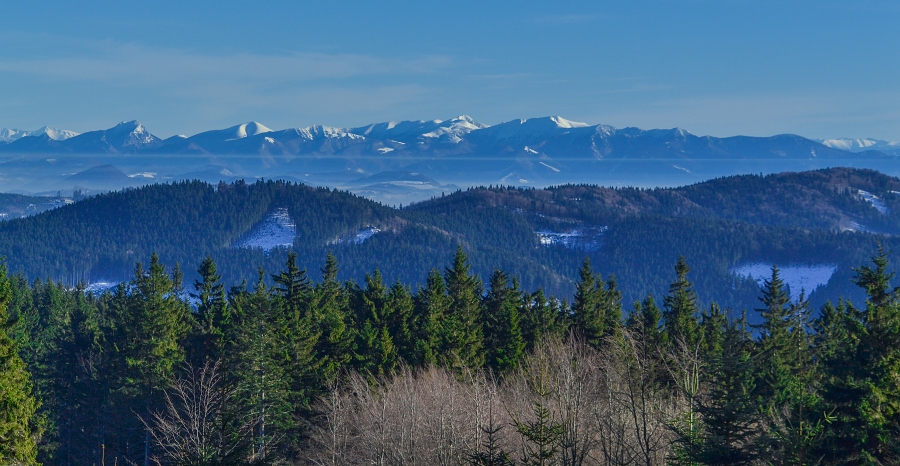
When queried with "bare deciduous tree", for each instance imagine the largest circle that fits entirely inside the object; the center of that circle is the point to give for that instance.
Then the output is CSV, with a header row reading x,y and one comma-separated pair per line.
x,y
198,426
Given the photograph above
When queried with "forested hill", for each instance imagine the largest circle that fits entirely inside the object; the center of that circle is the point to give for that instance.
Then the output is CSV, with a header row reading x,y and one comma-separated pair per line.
x,y
820,223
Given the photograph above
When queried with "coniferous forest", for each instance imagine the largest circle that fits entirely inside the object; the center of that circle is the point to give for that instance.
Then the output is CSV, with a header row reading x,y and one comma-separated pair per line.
x,y
540,235
302,367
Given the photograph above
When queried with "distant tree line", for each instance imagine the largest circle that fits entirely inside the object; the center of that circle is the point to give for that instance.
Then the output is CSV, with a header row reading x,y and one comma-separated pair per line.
x,y
325,371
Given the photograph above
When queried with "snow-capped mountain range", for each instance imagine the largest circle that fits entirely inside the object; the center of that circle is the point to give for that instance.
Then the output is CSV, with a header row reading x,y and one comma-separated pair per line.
x,y
861,145
424,157
10,135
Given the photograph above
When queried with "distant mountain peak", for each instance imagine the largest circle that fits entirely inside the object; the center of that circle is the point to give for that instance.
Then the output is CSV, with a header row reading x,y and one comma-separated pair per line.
x,y
247,129
134,135
10,135
859,144
563,123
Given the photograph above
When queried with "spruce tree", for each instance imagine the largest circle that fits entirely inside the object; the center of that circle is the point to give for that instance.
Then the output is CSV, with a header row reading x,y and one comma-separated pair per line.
x,y
377,354
211,315
331,312
18,429
503,341
296,328
462,339
839,333
681,309
259,358
880,407
153,326
541,318
431,308
401,320
785,374
587,309
729,411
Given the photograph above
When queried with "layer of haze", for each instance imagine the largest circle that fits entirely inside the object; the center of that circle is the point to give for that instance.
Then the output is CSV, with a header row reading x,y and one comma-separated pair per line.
x,y
820,68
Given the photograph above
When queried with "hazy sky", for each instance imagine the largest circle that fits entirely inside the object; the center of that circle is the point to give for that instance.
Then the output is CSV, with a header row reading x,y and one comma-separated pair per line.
x,y
821,68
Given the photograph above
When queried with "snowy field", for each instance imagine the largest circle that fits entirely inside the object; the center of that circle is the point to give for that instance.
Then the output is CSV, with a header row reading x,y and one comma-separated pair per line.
x,y
797,277
276,230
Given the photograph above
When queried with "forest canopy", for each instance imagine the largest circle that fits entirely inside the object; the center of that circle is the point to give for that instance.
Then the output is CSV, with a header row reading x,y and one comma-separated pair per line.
x,y
313,369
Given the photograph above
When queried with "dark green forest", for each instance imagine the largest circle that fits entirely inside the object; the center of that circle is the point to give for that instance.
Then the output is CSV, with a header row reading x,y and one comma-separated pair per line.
x,y
317,369
635,234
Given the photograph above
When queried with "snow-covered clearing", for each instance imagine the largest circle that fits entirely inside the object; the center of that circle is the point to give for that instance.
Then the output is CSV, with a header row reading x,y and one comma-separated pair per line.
x,y
797,277
358,237
874,200
276,230
99,287
573,239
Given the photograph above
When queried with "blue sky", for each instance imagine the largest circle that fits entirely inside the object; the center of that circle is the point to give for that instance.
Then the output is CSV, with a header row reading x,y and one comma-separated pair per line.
x,y
817,68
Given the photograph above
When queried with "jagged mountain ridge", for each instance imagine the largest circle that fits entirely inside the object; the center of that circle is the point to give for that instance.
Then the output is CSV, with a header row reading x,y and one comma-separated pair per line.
x,y
550,136
456,152
9,135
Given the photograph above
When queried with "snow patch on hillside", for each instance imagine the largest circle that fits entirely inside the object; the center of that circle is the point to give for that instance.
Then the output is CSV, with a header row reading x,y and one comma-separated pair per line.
x,y
357,237
576,238
274,231
100,286
874,200
797,277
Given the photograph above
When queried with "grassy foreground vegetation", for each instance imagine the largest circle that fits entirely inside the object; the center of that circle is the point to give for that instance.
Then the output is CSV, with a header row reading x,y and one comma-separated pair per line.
x,y
325,371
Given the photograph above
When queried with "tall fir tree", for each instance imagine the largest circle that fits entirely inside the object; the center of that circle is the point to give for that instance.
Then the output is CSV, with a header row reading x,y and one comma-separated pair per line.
x,y
541,319
296,325
503,342
880,407
839,333
336,326
587,311
211,315
259,358
462,339
431,308
729,411
785,375
597,310
401,320
681,309
154,324
377,354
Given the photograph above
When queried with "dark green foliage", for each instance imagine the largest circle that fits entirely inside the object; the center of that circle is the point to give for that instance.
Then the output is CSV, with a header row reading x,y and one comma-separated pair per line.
x,y
597,310
462,340
634,233
681,309
785,375
331,312
431,307
542,435
18,430
503,341
730,409
542,319
211,314
793,393
377,354
259,355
